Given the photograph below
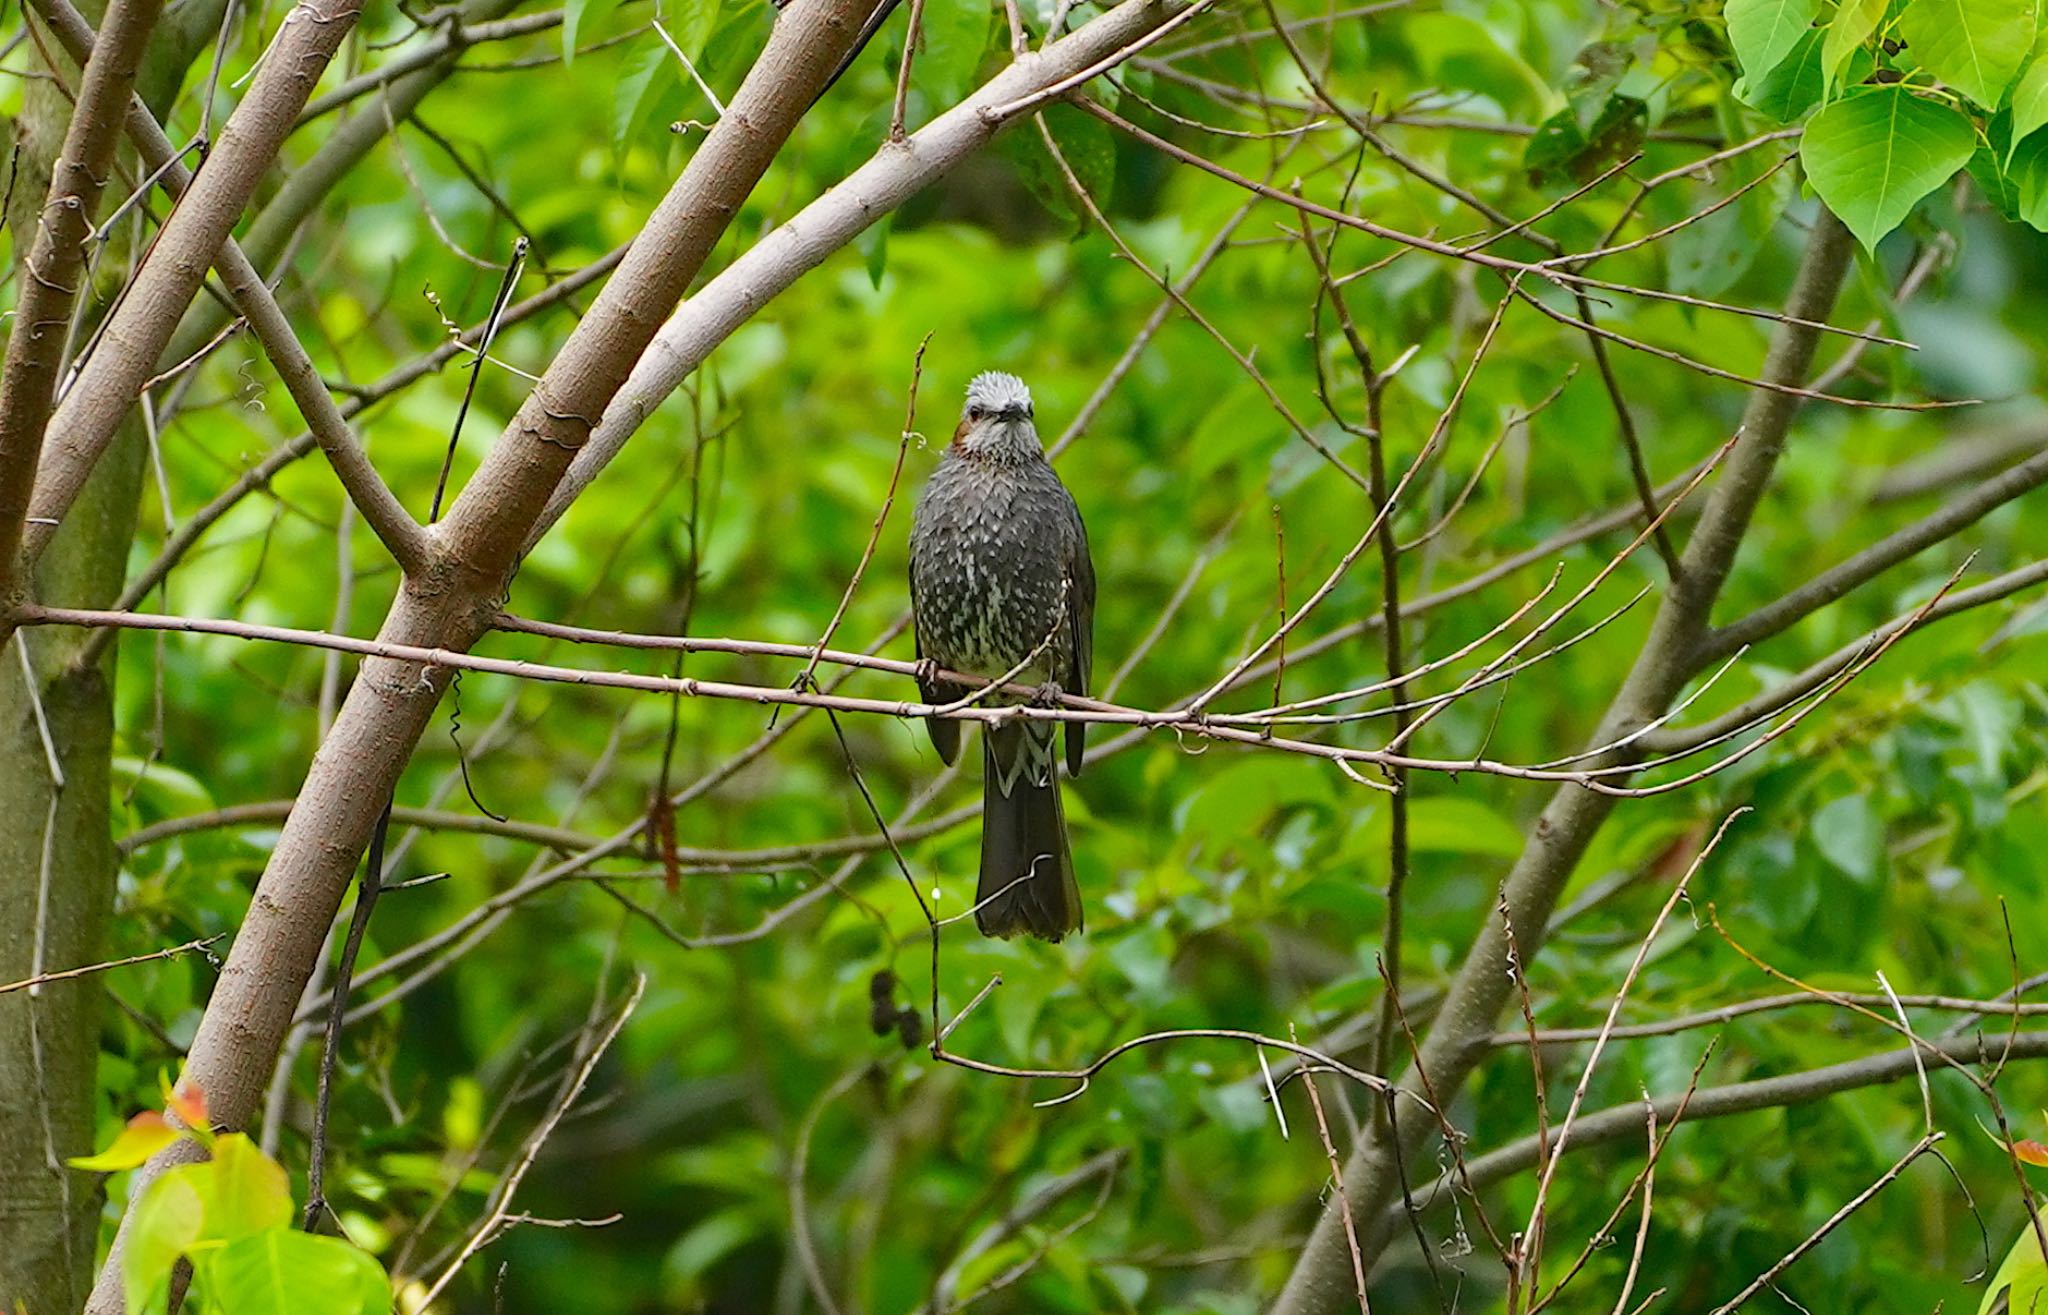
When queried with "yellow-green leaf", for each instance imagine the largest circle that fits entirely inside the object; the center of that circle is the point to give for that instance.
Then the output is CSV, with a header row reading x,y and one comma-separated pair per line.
x,y
1852,26
248,1192
146,1134
2030,94
2021,1283
282,1272
169,1218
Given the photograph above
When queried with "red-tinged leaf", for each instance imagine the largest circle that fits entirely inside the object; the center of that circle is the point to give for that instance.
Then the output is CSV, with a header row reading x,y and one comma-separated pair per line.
x,y
146,1134
188,1102
2024,1149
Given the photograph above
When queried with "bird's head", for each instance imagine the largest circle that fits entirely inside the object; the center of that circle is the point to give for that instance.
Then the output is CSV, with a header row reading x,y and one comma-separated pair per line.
x,y
997,420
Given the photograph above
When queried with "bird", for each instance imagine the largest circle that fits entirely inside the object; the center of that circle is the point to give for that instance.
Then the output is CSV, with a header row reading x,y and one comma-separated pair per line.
x,y
1002,586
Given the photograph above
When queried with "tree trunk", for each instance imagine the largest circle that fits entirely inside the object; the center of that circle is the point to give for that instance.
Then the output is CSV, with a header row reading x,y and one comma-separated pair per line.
x,y
49,1039
54,910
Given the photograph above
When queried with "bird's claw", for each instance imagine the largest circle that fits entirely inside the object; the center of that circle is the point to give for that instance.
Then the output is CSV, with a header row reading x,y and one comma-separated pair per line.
x,y
1048,695
926,671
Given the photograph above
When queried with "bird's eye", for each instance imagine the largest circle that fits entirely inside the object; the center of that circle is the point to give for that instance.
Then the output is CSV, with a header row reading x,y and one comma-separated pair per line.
x,y
974,413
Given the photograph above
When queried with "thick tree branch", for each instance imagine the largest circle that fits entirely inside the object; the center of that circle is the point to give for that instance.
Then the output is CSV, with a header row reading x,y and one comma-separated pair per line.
x,y
141,326
1625,1122
259,475
1791,608
380,508
270,232
52,276
894,174
1686,738
463,31
391,702
1320,1282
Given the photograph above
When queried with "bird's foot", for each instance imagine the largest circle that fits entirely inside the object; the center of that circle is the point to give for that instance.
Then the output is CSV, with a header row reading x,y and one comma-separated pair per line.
x,y
1048,695
926,671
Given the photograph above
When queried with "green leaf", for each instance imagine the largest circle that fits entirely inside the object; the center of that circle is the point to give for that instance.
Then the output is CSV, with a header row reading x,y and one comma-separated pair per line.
x,y
1976,46
1763,32
1800,82
632,88
1708,255
2021,1283
1853,23
168,1219
2014,178
1455,51
1988,171
955,38
1086,146
143,1136
1849,835
708,1243
695,21
1874,154
573,13
282,1272
873,245
1452,824
2030,94
248,1192
1145,958
2028,169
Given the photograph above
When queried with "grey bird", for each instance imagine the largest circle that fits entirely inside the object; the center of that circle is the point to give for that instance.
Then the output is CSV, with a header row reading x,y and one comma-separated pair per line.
x,y
1000,581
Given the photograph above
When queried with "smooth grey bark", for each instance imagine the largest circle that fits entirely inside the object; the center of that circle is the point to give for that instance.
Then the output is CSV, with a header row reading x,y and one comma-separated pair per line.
x,y
1620,1123
49,1039
1322,1283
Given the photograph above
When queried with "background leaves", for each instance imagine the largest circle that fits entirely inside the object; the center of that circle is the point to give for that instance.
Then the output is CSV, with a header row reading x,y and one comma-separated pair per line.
x,y
1897,830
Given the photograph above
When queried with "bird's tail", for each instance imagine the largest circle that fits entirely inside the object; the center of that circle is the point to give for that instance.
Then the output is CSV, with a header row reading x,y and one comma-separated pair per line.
x,y
1027,872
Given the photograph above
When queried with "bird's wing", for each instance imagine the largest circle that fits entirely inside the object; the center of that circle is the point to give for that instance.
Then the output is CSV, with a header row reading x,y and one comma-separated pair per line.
x,y
1080,634
945,731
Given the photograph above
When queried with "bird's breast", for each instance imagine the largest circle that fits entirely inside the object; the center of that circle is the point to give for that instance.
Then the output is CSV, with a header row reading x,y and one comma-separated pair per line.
x,y
987,572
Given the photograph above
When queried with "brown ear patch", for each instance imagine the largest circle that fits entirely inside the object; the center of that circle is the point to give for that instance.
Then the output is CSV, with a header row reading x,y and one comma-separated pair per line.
x,y
960,430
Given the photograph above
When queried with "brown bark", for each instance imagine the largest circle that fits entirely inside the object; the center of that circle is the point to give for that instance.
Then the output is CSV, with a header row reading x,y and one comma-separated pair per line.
x,y
107,388
50,277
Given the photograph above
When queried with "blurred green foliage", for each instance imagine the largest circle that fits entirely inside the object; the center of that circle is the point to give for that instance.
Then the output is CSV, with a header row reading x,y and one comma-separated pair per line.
x,y
1899,829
